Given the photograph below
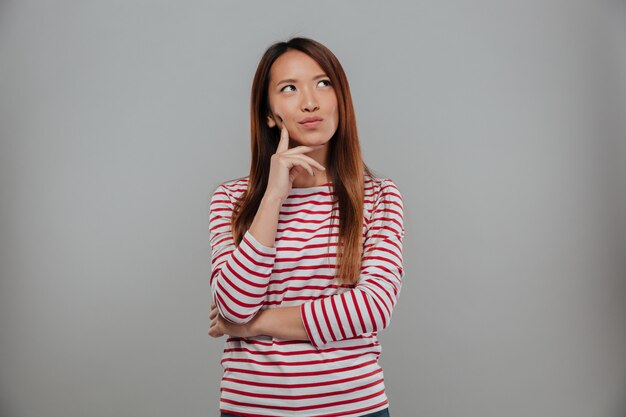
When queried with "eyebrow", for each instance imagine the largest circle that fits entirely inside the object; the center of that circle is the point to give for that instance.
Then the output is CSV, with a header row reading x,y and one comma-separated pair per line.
x,y
291,80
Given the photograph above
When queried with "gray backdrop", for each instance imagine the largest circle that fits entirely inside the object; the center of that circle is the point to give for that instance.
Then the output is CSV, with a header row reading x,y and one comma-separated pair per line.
x,y
502,123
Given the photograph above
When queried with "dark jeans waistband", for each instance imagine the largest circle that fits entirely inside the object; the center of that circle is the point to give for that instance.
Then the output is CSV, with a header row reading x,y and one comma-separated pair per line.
x,y
380,413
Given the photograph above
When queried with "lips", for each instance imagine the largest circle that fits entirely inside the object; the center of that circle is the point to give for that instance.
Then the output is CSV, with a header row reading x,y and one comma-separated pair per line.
x,y
310,119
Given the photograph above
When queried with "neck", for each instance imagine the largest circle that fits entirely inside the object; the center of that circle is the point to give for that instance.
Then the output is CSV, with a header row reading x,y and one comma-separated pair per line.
x,y
306,180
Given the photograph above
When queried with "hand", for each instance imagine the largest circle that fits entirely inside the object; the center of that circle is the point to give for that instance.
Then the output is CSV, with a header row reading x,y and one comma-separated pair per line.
x,y
220,326
286,164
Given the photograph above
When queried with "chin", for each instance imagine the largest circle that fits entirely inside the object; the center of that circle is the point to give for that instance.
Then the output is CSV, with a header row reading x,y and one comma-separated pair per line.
x,y
314,139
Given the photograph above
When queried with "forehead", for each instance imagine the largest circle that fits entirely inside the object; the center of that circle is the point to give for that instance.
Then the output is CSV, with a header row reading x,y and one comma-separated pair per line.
x,y
294,64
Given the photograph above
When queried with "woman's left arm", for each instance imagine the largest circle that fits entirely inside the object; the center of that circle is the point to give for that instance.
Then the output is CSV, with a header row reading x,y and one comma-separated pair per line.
x,y
368,307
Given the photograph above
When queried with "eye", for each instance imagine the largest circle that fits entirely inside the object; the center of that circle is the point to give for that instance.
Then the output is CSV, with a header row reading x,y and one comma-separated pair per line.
x,y
321,81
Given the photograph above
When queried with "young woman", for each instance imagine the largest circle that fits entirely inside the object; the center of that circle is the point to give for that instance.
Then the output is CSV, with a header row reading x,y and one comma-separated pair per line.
x,y
306,250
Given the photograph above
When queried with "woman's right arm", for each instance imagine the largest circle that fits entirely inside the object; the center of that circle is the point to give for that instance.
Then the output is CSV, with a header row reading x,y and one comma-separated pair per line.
x,y
240,274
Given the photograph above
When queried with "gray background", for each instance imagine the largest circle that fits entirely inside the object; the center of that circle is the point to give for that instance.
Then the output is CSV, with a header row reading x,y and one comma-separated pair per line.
x,y
501,122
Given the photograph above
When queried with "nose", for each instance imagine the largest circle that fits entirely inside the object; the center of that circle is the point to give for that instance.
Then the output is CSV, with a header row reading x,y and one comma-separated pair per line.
x,y
309,101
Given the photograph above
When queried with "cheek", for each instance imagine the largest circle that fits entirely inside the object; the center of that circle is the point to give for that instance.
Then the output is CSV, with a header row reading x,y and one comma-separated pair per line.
x,y
281,108
335,107
276,105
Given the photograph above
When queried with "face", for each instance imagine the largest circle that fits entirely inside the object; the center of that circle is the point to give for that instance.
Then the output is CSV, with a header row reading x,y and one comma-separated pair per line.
x,y
306,93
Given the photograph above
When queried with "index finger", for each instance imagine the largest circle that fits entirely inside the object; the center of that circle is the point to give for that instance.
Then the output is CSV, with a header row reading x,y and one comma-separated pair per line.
x,y
283,144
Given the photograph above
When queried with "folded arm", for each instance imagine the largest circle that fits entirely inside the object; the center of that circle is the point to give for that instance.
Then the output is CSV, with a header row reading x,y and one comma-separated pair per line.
x,y
239,274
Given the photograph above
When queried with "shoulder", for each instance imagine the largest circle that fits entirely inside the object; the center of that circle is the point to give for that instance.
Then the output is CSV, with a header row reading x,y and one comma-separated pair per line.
x,y
379,190
382,200
231,189
386,209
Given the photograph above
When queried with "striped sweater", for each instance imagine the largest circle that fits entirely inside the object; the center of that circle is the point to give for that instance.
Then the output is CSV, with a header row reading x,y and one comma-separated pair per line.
x,y
336,371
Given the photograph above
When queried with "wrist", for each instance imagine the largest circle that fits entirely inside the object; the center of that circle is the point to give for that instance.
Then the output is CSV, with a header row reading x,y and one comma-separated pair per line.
x,y
272,200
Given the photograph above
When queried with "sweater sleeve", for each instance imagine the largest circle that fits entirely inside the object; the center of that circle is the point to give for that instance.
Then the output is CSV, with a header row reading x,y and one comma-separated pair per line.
x,y
239,274
369,305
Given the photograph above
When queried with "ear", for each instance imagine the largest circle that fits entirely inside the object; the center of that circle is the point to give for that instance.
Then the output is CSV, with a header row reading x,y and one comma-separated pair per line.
x,y
270,121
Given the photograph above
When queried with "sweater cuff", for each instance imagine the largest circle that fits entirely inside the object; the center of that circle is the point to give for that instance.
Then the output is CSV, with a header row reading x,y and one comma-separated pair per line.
x,y
260,249
310,321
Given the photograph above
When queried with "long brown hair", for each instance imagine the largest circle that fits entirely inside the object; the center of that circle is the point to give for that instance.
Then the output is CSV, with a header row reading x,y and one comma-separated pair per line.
x,y
345,167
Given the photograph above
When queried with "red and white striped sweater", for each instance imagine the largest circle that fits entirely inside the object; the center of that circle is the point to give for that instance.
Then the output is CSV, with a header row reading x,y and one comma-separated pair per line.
x,y
336,372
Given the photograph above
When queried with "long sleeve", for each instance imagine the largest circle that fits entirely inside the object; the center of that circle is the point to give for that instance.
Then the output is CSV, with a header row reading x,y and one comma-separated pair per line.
x,y
239,274
368,306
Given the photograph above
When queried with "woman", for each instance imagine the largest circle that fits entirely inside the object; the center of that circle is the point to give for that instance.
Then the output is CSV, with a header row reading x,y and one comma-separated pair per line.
x,y
306,250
